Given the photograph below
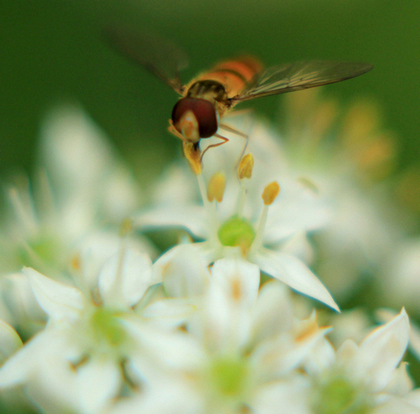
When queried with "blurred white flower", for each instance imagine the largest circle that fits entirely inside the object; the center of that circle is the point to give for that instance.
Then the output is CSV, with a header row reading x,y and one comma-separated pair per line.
x,y
365,378
400,284
78,360
81,187
82,191
348,154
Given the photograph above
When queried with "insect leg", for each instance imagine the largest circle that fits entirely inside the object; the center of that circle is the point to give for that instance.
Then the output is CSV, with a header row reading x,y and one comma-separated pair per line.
x,y
241,134
215,145
174,131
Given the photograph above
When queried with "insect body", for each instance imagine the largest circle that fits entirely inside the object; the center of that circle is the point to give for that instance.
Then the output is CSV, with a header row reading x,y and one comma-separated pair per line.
x,y
209,97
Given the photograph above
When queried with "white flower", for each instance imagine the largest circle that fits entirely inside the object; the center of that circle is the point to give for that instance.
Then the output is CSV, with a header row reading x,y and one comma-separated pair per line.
x,y
81,187
401,276
348,153
247,217
364,378
242,351
78,360
82,191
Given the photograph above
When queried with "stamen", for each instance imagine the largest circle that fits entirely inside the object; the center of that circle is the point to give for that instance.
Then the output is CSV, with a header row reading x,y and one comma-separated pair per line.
x,y
244,171
246,166
216,187
209,207
269,195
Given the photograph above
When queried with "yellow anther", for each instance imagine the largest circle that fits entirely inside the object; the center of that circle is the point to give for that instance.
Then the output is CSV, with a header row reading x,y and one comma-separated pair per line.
x,y
193,155
216,187
245,166
270,193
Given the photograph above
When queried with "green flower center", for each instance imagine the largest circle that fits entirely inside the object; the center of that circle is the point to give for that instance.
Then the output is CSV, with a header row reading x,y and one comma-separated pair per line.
x,y
236,231
107,327
229,376
339,396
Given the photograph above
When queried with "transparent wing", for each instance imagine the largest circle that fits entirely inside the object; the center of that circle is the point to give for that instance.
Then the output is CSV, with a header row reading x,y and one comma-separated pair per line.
x,y
159,56
301,75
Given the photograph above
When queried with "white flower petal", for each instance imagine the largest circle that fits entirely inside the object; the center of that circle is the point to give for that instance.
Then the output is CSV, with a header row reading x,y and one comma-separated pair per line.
x,y
120,195
273,301
98,247
298,212
414,397
190,217
58,300
223,319
276,357
125,277
10,341
163,395
322,357
238,277
99,381
74,149
294,273
395,405
415,340
298,245
161,347
183,270
18,304
169,312
291,397
40,351
53,386
401,383
20,366
166,191
347,351
381,352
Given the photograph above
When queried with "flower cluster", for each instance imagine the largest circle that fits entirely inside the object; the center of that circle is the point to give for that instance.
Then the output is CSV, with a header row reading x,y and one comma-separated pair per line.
x,y
223,322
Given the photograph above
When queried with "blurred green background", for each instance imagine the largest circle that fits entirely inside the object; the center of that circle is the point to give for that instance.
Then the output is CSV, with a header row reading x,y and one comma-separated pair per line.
x,y
51,51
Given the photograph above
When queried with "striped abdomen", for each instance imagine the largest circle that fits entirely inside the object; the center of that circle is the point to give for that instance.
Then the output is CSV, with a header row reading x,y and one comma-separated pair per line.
x,y
234,75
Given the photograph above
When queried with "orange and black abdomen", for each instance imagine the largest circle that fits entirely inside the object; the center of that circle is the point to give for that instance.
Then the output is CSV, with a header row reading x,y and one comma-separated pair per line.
x,y
235,74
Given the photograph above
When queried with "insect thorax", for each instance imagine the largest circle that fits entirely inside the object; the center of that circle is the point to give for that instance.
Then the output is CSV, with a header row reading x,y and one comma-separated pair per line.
x,y
210,90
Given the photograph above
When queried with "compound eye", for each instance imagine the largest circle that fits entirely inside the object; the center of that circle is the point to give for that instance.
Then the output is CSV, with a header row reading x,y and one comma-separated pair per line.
x,y
203,110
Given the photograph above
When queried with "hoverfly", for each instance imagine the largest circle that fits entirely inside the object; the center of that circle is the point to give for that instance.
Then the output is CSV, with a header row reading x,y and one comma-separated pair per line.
x,y
209,97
